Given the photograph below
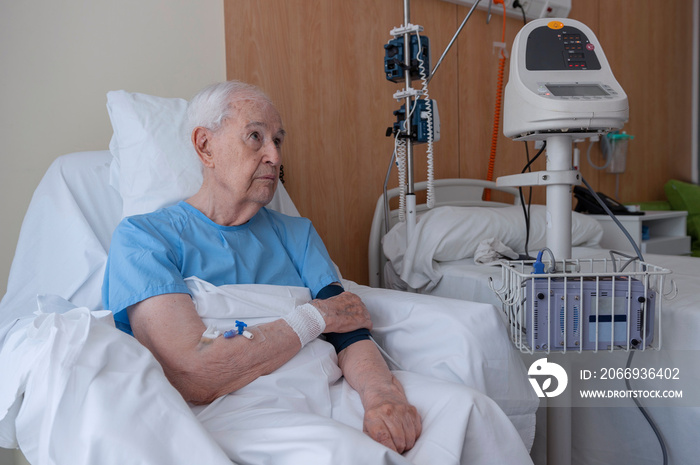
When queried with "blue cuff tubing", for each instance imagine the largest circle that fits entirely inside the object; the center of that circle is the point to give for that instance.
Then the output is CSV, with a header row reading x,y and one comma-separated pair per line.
x,y
341,340
329,291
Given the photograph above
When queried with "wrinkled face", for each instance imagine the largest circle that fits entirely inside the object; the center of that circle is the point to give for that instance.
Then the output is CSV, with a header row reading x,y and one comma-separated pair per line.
x,y
246,152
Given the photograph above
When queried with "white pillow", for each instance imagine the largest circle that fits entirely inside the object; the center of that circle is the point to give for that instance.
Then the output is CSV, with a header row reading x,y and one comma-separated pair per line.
x,y
585,231
453,233
155,164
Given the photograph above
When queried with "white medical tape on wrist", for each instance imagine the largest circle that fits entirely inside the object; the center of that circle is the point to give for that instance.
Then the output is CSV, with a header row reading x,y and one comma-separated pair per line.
x,y
307,322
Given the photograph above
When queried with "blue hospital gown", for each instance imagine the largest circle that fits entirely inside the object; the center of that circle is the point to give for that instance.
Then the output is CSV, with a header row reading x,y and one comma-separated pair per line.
x,y
152,254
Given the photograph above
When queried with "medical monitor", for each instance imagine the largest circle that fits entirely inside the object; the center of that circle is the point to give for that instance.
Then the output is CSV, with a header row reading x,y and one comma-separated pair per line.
x,y
560,82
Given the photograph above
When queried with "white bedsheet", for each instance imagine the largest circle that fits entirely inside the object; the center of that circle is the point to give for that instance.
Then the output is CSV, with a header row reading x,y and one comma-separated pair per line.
x,y
67,366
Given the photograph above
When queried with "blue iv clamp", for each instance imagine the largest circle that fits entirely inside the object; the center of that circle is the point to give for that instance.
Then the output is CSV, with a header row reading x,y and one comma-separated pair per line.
x,y
240,329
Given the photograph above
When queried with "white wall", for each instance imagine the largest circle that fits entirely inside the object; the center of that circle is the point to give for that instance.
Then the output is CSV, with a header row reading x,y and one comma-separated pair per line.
x,y
58,59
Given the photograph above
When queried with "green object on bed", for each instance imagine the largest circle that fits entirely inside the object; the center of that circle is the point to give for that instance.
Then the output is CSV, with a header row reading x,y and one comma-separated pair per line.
x,y
686,196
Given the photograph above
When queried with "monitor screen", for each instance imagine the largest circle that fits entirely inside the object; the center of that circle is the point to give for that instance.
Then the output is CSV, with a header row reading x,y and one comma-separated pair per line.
x,y
576,90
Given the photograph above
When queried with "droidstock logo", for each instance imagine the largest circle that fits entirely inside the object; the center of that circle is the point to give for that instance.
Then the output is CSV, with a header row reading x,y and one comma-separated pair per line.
x,y
541,369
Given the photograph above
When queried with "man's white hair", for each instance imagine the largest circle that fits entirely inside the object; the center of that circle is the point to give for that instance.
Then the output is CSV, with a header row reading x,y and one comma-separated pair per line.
x,y
212,105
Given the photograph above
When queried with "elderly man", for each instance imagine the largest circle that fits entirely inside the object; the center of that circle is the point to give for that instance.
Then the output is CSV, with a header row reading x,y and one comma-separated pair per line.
x,y
225,235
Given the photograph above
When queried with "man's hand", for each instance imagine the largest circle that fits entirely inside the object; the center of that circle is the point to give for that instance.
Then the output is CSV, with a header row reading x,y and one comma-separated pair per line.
x,y
391,420
343,313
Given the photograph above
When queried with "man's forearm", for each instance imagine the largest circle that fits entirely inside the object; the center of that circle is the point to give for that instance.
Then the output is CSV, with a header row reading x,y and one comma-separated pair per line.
x,y
365,369
389,419
169,326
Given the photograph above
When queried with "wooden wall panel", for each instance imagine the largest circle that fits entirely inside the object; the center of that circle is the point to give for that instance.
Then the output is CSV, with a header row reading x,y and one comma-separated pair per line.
x,y
478,78
322,64
321,61
651,55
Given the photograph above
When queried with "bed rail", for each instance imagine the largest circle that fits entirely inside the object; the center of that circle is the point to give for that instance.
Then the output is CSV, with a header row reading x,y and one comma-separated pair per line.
x,y
448,192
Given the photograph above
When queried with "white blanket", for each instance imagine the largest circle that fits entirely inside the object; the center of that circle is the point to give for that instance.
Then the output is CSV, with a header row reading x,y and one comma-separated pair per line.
x,y
81,392
75,390
307,398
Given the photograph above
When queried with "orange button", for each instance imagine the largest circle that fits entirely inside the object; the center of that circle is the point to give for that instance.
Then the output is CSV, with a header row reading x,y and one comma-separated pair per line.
x,y
555,24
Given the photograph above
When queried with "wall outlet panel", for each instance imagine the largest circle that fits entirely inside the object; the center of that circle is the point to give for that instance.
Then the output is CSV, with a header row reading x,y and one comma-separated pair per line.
x,y
533,8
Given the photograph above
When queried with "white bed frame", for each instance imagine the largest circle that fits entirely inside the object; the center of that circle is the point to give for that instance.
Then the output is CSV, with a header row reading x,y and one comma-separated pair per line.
x,y
454,192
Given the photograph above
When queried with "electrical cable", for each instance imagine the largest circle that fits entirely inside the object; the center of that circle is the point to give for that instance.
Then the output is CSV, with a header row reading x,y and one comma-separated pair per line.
x,y
529,163
517,4
526,210
648,418
614,218
631,259
497,106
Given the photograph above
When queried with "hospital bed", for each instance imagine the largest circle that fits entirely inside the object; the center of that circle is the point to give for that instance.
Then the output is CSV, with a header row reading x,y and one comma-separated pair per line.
x,y
440,261
76,390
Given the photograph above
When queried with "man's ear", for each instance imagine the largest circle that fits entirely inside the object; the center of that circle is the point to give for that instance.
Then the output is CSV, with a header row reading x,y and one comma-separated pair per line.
x,y
201,140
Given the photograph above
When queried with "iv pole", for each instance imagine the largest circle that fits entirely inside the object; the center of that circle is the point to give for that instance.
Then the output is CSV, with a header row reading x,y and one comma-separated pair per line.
x,y
410,187
410,184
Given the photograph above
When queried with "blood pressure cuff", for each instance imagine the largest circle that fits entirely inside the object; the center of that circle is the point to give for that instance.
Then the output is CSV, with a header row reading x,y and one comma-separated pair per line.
x,y
341,340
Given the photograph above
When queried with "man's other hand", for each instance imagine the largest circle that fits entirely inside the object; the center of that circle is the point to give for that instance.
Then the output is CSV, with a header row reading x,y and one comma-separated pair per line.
x,y
343,313
391,420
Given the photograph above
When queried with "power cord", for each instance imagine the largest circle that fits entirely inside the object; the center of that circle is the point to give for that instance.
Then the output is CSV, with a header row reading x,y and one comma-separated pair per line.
x,y
517,4
614,218
526,209
649,420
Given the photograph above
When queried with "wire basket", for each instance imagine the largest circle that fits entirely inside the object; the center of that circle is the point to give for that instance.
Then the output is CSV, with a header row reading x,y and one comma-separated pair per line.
x,y
591,304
